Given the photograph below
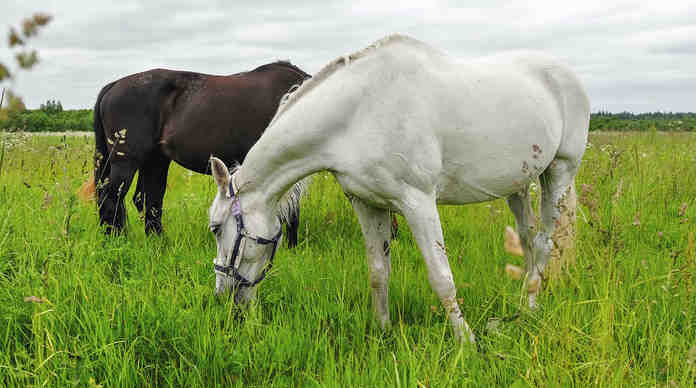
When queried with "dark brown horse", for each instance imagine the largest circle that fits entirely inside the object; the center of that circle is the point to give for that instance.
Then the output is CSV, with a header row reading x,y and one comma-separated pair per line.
x,y
144,121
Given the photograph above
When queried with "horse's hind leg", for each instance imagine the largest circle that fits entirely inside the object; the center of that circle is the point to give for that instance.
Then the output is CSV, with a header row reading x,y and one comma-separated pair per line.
x,y
153,174
424,221
525,221
112,211
556,182
376,228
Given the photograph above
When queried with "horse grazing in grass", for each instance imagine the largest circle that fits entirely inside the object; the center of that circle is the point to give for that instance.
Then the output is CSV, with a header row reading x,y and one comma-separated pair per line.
x,y
403,128
144,121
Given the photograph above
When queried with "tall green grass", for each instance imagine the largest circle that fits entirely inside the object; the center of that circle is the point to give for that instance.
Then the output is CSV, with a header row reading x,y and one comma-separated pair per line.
x,y
136,312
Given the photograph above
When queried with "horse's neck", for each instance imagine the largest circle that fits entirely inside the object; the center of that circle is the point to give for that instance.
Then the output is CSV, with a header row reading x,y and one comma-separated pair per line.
x,y
294,147
310,136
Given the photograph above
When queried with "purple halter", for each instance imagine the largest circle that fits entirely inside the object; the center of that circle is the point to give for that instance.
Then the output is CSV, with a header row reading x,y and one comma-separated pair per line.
x,y
230,270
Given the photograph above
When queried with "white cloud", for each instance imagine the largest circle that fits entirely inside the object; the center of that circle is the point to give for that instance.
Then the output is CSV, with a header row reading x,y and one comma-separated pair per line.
x,y
632,55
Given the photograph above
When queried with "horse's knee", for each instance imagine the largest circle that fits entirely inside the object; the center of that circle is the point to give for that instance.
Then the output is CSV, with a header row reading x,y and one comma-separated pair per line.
x,y
153,226
379,276
443,285
111,209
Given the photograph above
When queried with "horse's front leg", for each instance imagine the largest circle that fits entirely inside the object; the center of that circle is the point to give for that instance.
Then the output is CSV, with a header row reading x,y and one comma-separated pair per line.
x,y
376,227
424,221
154,177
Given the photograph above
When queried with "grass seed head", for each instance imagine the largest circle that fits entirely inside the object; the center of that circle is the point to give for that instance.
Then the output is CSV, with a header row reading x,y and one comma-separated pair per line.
x,y
514,272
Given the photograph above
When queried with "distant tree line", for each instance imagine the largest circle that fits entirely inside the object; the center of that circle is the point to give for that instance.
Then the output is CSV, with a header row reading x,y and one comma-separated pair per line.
x,y
51,107
654,121
51,117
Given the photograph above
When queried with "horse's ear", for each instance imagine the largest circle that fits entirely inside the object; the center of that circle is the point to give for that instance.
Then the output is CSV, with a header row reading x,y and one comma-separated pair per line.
x,y
220,173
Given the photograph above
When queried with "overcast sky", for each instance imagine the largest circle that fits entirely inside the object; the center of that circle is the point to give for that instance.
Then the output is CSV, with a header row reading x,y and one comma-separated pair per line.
x,y
631,55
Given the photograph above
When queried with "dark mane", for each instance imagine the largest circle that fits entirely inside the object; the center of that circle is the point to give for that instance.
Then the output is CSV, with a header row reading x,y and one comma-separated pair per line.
x,y
283,64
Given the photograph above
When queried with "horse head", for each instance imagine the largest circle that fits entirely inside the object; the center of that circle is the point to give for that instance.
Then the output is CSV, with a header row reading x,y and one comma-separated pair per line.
x,y
243,257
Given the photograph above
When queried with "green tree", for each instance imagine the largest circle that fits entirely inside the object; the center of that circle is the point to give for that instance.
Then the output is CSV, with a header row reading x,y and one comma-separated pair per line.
x,y
51,107
13,104
25,58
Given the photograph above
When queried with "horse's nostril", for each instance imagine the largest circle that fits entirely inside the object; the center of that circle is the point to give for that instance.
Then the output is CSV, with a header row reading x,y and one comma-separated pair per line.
x,y
214,229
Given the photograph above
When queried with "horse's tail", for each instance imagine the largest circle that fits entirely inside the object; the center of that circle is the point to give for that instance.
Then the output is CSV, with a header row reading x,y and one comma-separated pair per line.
x,y
102,165
575,109
87,191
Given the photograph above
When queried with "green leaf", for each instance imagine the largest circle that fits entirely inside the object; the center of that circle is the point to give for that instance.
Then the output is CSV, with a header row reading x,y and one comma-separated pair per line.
x,y
4,72
14,38
29,28
27,59
41,19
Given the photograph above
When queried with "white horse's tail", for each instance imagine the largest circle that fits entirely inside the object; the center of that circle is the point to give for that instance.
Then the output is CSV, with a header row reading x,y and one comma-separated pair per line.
x,y
575,108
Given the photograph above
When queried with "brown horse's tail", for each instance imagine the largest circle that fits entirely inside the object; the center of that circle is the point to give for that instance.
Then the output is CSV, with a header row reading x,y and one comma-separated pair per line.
x,y
102,165
87,192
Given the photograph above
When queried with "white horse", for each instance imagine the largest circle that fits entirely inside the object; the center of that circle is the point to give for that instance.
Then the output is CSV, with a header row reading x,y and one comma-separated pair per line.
x,y
403,128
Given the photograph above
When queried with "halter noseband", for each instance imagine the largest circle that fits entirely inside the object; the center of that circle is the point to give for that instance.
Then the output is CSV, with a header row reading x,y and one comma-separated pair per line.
x,y
231,269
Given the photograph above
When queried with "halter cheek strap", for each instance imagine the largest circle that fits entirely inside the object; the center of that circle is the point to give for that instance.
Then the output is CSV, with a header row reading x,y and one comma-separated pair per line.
x,y
231,269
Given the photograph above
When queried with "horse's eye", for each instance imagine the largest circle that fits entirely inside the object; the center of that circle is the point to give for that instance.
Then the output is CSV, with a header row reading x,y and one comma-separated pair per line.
x,y
215,228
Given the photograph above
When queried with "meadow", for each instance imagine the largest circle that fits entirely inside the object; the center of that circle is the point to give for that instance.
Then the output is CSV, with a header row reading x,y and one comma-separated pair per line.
x,y
79,309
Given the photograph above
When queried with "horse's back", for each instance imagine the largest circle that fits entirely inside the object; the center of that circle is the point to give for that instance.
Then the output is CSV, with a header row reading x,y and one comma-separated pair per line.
x,y
224,117
141,97
186,115
472,131
488,95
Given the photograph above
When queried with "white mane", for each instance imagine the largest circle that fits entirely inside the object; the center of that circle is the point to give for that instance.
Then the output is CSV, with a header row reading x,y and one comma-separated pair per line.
x,y
298,91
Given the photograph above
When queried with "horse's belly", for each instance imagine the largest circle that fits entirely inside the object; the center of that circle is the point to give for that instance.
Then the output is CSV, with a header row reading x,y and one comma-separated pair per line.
x,y
494,146
464,188
482,172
